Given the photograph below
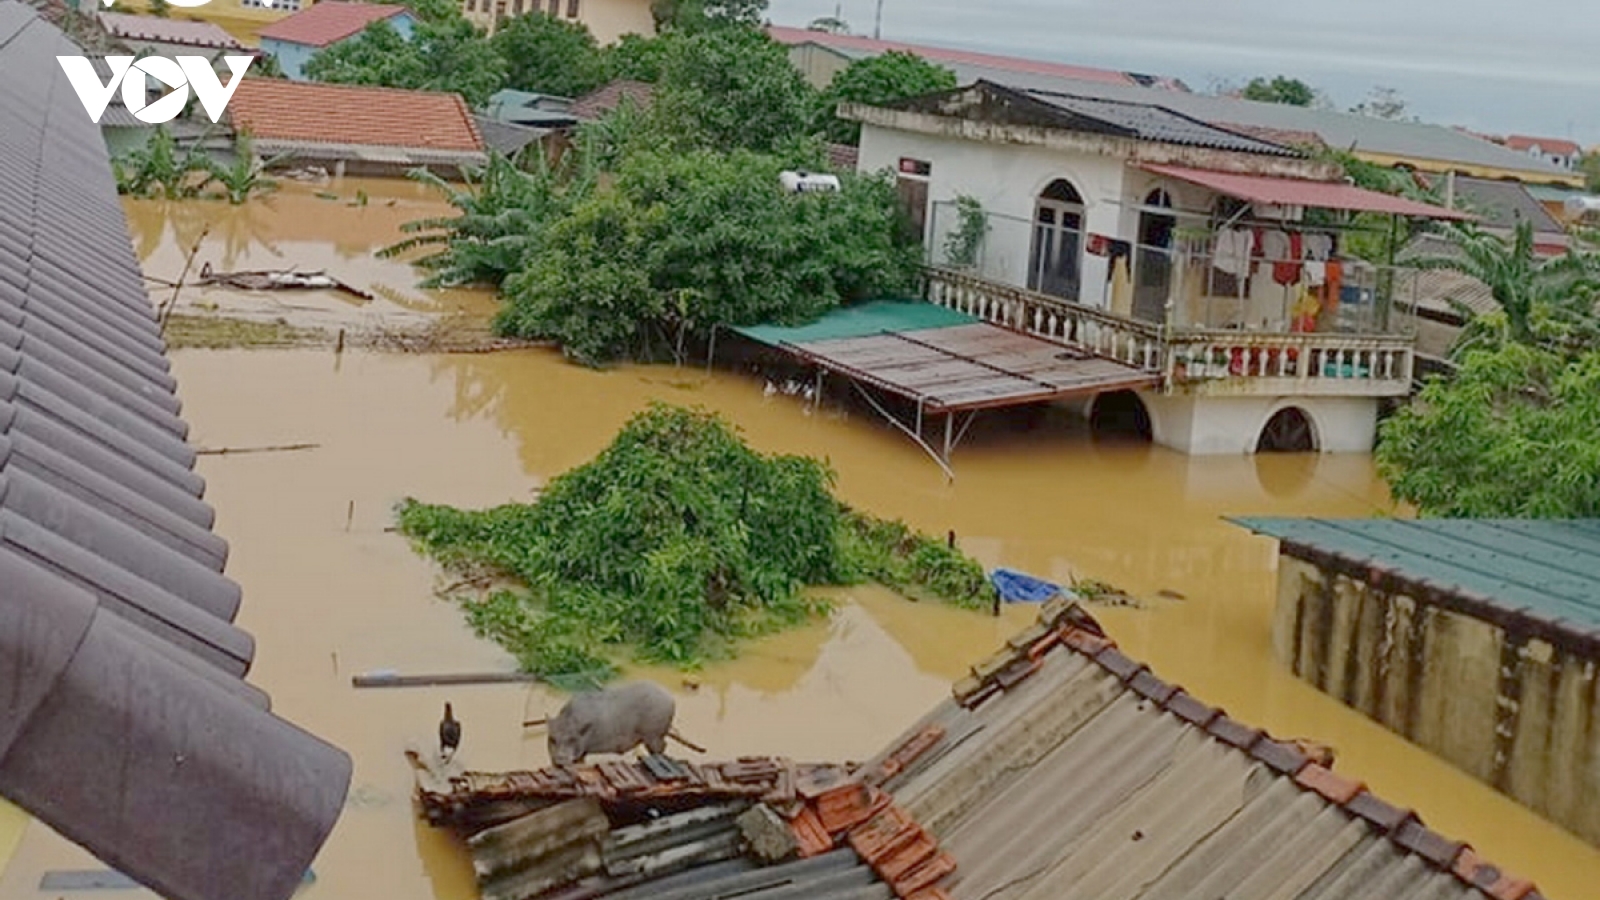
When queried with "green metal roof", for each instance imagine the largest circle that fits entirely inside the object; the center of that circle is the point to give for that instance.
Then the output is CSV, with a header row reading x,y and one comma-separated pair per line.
x,y
1550,568
863,320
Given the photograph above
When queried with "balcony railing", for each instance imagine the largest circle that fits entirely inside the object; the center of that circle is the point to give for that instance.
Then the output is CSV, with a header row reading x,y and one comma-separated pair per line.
x,y
1114,337
1211,360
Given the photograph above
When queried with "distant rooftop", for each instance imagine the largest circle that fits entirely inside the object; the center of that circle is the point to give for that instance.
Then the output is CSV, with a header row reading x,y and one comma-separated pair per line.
x,y
853,45
597,103
169,31
1560,146
274,109
328,22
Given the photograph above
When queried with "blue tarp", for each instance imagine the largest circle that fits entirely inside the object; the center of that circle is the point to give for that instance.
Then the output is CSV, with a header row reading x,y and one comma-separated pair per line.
x,y
1016,587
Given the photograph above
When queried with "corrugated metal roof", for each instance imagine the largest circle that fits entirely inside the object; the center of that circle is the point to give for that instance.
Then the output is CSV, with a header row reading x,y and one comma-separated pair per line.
x,y
1299,192
1068,771
1550,568
1153,122
1503,204
1406,140
124,724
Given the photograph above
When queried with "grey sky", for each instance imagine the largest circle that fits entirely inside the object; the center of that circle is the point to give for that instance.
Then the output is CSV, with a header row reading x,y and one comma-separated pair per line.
x,y
1524,66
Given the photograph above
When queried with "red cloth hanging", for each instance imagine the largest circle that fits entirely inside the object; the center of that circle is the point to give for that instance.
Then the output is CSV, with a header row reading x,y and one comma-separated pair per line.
x,y
1288,271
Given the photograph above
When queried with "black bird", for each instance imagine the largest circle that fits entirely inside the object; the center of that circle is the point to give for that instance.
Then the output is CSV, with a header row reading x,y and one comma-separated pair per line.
x,y
449,734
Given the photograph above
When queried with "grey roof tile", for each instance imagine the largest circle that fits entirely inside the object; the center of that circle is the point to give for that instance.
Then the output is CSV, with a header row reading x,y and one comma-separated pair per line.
x,y
122,667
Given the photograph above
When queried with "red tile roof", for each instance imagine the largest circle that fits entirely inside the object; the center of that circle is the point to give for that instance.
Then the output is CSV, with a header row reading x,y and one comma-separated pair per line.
x,y
328,22
1549,145
796,36
600,101
279,110
169,31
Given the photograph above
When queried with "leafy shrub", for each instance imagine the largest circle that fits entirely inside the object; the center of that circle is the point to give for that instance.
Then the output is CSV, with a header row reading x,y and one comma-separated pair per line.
x,y
672,545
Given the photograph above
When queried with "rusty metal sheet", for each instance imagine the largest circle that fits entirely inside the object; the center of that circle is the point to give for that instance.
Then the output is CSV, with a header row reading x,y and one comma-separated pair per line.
x,y
975,366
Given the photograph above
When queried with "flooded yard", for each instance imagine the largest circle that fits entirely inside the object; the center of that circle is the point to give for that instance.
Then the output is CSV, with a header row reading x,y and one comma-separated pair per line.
x,y
330,593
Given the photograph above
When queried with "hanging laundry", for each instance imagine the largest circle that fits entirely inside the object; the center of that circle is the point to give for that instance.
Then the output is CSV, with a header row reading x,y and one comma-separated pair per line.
x,y
1099,245
1319,247
1316,273
1306,307
1287,269
1233,248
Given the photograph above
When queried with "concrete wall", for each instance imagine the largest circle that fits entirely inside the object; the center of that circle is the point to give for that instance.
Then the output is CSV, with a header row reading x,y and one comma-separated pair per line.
x,y
1514,711
817,63
607,20
1212,425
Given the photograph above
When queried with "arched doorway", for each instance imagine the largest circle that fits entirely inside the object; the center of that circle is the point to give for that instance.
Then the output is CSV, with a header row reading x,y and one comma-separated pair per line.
x,y
1055,264
1288,431
1120,414
1152,284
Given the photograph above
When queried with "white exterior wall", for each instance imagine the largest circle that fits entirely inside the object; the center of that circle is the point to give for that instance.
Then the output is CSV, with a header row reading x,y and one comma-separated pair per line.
x,y
1008,179
1206,426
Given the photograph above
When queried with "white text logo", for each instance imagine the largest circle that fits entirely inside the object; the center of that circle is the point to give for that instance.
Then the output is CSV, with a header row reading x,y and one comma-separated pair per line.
x,y
179,75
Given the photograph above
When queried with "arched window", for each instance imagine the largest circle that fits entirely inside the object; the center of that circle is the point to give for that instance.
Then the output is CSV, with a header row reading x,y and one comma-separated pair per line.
x,y
1055,264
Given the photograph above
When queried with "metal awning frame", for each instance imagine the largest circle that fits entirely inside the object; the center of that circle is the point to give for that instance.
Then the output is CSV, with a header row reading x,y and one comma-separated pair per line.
x,y
952,436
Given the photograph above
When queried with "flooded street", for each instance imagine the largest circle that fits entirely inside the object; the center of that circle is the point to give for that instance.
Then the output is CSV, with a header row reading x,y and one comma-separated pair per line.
x,y
329,593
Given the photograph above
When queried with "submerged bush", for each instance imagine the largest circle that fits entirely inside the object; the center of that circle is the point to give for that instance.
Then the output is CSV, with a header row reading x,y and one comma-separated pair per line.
x,y
672,545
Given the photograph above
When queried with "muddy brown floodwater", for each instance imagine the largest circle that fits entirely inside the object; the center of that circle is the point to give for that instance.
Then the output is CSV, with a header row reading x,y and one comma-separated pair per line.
x,y
330,594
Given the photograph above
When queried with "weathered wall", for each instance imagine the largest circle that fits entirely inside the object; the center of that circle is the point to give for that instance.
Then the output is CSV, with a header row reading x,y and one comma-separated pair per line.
x,y
1514,711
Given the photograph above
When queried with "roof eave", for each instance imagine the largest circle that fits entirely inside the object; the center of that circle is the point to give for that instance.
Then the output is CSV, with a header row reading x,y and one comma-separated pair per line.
x,y
1135,150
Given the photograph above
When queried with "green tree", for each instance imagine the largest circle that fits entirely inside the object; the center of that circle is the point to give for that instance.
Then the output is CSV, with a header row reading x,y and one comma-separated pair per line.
x,y
266,66
447,54
877,80
732,88
246,176
1515,434
685,241
504,213
1590,166
1541,299
159,169
636,58
549,55
1279,89
160,8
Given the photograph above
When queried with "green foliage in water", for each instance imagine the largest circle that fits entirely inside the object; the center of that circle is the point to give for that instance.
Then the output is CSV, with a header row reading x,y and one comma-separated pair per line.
x,y
674,544
1515,434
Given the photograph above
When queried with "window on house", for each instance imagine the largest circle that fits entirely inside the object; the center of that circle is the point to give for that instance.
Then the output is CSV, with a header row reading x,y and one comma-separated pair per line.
x,y
555,7
572,9
1054,264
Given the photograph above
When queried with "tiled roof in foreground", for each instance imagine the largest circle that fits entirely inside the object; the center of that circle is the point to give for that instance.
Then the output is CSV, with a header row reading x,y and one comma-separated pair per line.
x,y
1063,770
125,722
1060,770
